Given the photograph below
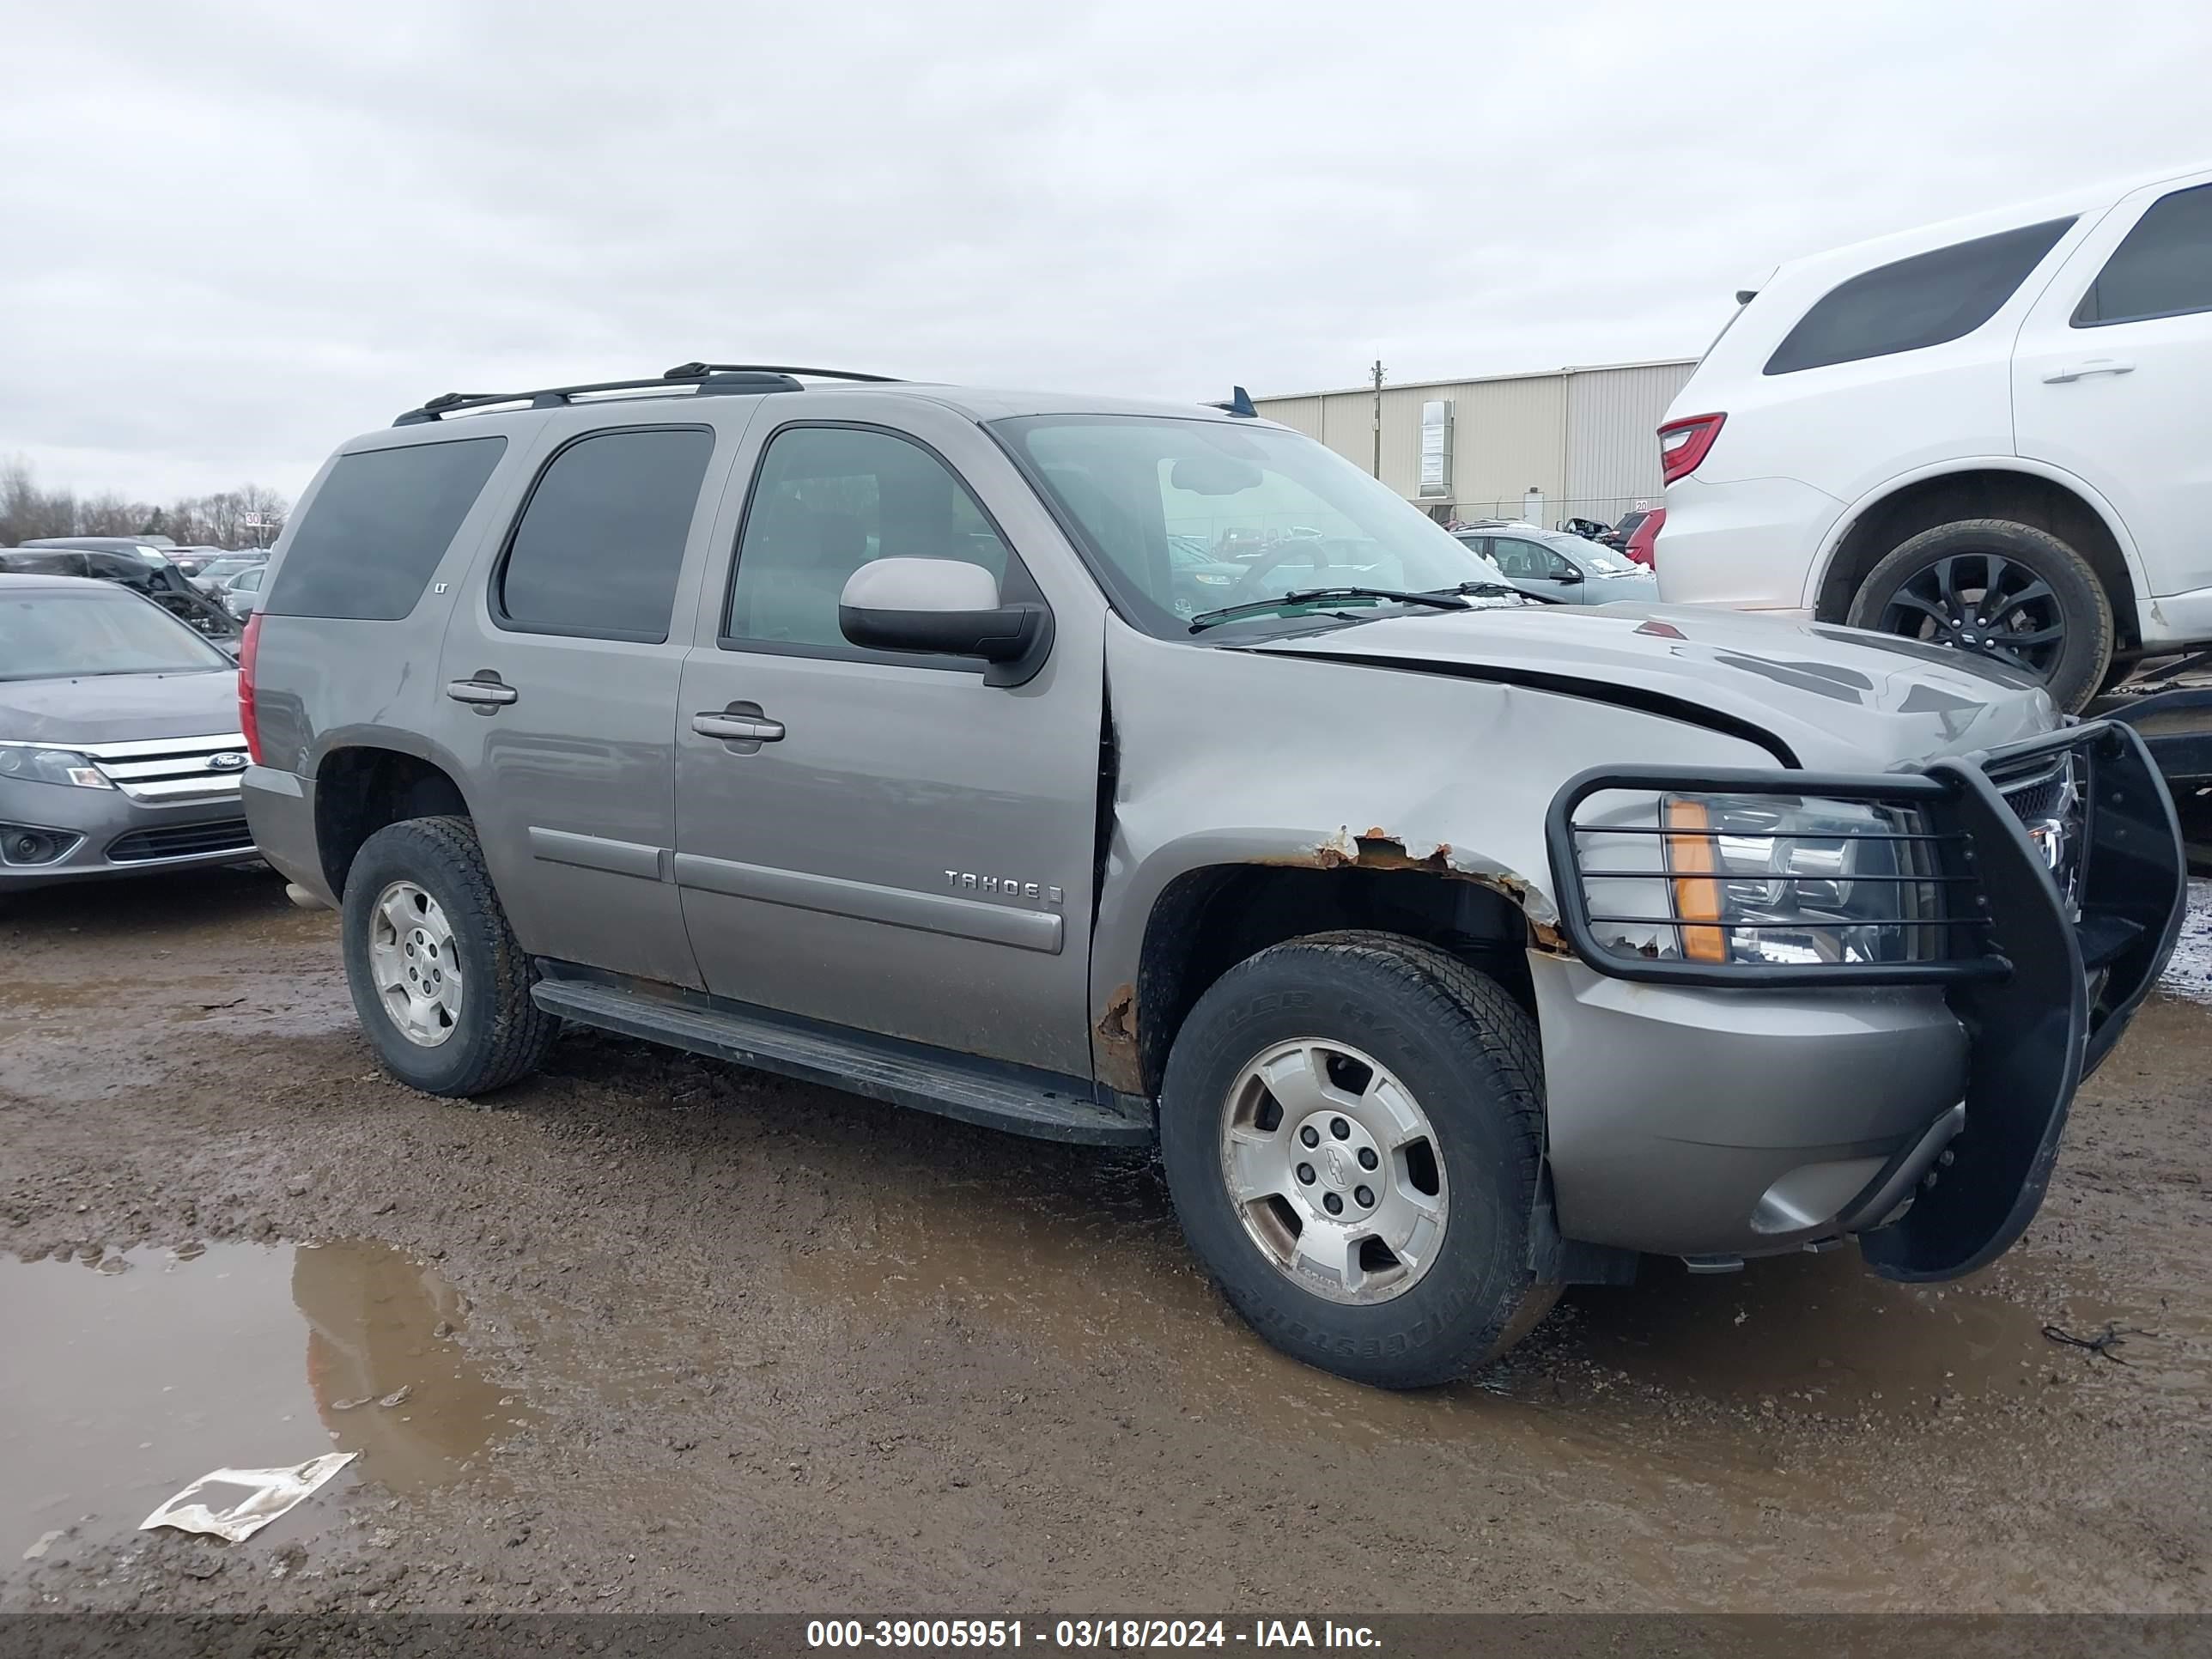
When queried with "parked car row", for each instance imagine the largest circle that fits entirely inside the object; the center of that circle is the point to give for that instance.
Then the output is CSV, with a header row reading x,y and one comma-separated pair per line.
x,y
141,566
1567,568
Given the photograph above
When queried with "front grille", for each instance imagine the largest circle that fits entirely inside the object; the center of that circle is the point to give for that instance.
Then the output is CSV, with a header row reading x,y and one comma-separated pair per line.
x,y
2039,789
2045,792
181,841
172,769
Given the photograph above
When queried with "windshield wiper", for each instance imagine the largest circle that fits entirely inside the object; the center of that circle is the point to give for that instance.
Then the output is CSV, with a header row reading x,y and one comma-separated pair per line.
x,y
1487,586
1443,600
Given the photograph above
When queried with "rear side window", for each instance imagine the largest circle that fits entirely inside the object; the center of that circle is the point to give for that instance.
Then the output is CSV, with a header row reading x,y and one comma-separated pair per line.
x,y
378,527
2164,268
1943,294
596,549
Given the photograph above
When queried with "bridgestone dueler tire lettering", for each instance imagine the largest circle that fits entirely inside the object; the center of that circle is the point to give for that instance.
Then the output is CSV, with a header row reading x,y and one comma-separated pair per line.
x,y
1473,1058
502,1035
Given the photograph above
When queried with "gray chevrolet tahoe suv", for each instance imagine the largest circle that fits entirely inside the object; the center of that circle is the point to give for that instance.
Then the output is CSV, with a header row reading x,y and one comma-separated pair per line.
x,y
1449,947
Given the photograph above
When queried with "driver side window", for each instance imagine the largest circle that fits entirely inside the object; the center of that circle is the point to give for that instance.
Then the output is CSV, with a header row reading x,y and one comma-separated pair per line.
x,y
829,500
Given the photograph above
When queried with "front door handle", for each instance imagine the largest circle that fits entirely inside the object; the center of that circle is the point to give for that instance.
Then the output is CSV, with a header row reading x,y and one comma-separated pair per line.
x,y
739,723
483,690
2087,366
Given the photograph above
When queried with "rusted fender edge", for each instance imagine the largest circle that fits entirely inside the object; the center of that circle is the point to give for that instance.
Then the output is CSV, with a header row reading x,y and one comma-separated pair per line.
x,y
1378,849
1116,1051
1113,1049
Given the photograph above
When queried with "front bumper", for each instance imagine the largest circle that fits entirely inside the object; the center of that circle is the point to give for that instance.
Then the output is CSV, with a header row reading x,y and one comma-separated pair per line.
x,y
1729,1112
106,833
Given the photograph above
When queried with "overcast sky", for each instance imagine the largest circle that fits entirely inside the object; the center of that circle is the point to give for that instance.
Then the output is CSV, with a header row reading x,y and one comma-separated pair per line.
x,y
233,236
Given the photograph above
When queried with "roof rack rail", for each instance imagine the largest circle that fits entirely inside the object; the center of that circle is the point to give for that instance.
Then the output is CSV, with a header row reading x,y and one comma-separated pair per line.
x,y
706,379
687,371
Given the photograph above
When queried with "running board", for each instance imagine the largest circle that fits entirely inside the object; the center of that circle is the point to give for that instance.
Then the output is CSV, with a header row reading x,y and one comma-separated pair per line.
x,y
881,1068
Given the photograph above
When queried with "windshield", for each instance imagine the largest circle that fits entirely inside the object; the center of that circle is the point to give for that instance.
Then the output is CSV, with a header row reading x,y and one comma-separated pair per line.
x,y
52,635
1179,519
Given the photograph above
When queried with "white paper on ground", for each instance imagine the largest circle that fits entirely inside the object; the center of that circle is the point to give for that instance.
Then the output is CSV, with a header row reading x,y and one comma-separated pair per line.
x,y
270,1493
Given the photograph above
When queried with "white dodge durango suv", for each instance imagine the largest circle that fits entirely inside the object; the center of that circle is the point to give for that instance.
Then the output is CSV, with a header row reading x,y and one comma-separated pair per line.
x,y
1994,435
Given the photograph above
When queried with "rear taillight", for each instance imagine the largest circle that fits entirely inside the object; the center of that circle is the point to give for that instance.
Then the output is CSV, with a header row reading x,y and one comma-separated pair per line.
x,y
246,721
1683,444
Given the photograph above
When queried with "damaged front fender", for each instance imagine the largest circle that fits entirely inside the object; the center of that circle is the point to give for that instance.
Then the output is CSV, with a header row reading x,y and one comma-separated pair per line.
x,y
1271,765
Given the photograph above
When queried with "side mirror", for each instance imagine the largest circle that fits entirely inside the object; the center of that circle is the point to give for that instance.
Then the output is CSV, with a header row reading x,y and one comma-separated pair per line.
x,y
1570,575
946,607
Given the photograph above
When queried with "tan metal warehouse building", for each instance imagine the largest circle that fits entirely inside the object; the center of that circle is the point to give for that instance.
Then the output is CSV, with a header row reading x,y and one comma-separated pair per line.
x,y
1581,439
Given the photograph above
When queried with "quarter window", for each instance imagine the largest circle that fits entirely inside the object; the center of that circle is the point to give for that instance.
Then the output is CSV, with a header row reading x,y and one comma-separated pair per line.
x,y
600,541
1943,294
377,527
828,501
2163,268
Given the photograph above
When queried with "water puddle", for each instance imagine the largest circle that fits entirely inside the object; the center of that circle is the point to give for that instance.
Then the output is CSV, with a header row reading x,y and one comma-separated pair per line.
x,y
2190,974
127,1380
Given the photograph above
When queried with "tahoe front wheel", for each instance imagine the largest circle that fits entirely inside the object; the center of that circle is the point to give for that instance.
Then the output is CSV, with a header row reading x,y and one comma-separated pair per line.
x,y
1353,1127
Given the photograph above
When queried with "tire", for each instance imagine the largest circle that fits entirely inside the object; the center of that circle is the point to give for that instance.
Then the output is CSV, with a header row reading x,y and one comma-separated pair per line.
x,y
495,1033
2058,591
1468,1057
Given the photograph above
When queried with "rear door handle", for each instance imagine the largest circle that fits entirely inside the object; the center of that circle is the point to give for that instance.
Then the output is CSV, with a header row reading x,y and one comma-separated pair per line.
x,y
483,689
733,727
2087,366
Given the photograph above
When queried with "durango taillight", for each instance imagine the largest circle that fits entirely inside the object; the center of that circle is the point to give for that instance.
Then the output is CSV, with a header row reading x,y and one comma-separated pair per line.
x,y
1683,444
246,721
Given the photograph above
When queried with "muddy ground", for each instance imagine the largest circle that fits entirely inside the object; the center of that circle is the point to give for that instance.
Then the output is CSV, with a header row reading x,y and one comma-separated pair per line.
x,y
671,1335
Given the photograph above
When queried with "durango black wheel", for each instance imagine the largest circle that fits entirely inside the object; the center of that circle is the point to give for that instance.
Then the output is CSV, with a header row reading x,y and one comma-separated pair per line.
x,y
2008,592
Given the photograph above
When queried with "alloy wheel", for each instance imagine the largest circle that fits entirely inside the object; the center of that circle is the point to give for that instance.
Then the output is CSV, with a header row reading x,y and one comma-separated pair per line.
x,y
1983,603
415,964
1334,1170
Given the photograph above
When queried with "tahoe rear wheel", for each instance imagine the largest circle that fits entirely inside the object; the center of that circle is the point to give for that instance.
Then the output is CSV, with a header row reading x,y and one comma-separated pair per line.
x,y
1352,1126
1997,589
440,985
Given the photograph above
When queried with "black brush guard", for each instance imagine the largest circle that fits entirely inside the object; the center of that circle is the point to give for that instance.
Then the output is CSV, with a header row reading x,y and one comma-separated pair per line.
x,y
2043,1000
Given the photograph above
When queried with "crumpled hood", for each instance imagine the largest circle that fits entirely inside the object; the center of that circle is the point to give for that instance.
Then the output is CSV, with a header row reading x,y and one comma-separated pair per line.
x,y
1840,699
118,707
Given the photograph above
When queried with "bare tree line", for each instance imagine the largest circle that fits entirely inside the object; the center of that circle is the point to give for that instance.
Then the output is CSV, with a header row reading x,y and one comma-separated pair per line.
x,y
218,521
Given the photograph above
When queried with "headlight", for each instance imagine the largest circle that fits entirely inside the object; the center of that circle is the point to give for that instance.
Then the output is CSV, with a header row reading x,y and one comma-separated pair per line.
x,y
50,766
1763,880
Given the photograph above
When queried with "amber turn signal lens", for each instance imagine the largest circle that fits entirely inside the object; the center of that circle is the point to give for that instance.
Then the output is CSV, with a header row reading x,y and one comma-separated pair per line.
x,y
1697,895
